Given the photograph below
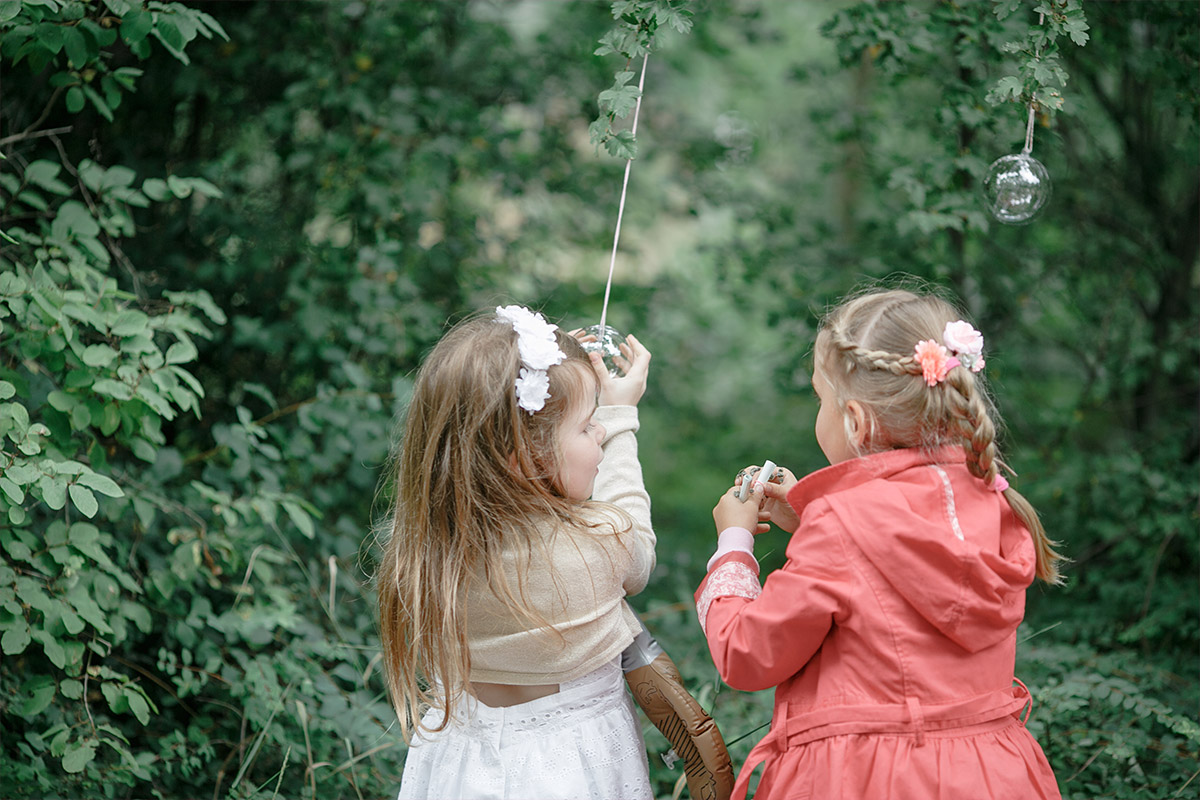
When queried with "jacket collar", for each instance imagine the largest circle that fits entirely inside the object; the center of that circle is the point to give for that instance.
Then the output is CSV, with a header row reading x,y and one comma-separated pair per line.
x,y
857,471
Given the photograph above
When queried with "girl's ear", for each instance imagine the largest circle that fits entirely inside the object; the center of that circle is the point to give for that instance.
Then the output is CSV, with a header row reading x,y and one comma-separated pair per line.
x,y
856,423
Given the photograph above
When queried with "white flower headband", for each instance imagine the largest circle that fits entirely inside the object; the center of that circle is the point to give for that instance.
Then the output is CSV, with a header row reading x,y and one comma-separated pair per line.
x,y
539,351
959,339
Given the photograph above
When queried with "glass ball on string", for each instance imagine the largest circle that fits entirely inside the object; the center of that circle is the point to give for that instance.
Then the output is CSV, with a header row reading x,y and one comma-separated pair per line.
x,y
608,343
1016,188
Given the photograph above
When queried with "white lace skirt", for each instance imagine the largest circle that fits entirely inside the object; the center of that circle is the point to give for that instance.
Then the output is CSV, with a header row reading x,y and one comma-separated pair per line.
x,y
583,742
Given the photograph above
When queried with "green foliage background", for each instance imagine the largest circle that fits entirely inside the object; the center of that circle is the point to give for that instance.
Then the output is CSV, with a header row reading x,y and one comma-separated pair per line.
x,y
229,231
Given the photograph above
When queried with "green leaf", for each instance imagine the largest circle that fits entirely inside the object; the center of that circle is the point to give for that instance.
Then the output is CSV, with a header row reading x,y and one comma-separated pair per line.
x,y
117,701
79,755
15,640
39,692
9,9
81,417
14,492
138,705
99,355
181,352
76,46
22,474
129,323
44,174
84,537
99,102
75,99
84,500
623,145
300,517
144,450
54,491
155,188
111,388
87,607
74,219
111,419
180,187
101,483
168,33
136,26
50,36
117,177
1007,88
7,390
52,647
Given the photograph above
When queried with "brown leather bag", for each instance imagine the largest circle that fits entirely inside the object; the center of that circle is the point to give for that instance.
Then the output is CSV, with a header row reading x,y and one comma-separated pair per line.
x,y
658,689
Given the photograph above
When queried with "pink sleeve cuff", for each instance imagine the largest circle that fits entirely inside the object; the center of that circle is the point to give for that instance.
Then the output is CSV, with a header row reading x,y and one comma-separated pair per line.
x,y
732,540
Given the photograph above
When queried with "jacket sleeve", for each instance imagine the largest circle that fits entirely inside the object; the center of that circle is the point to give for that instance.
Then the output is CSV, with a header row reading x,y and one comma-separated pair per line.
x,y
761,636
620,482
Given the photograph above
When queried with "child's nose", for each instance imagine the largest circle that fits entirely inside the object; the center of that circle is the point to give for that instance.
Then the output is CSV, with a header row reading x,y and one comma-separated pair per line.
x,y
600,432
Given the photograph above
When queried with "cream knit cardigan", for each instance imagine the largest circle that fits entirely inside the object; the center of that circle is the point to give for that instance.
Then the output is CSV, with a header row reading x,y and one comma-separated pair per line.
x,y
581,588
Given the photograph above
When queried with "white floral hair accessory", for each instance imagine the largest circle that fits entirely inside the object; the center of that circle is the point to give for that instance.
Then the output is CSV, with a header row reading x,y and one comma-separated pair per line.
x,y
539,351
966,343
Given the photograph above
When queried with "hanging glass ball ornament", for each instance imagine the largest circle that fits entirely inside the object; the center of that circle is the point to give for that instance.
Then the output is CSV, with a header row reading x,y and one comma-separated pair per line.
x,y
1016,188
608,343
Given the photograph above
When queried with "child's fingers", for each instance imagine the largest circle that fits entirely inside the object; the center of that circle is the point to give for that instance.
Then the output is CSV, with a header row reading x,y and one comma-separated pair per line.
x,y
599,368
639,356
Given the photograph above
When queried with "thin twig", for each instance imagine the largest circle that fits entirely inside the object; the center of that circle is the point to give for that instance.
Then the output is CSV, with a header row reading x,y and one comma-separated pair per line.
x,y
18,137
46,110
1088,763
1189,780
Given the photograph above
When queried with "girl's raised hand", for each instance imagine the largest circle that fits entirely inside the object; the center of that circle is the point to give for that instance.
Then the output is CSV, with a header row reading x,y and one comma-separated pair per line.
x,y
628,389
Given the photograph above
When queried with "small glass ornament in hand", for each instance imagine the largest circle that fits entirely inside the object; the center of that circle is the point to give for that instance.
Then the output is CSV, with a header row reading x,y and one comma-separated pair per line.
x,y
608,344
1016,188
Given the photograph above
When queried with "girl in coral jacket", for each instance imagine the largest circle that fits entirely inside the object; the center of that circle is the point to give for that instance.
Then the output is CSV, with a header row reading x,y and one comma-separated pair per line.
x,y
890,631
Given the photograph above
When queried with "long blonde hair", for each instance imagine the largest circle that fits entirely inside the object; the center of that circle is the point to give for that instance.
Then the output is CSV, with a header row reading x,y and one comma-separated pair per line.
x,y
474,474
864,350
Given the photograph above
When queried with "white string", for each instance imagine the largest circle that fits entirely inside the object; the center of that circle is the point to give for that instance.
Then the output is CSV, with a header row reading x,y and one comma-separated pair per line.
x,y
1029,133
621,206
1029,125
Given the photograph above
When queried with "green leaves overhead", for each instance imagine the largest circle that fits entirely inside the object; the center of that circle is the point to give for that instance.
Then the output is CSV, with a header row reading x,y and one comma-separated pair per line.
x,y
1040,77
634,37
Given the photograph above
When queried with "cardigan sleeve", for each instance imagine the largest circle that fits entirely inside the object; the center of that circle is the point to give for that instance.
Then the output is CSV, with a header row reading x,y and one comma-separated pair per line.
x,y
760,636
619,482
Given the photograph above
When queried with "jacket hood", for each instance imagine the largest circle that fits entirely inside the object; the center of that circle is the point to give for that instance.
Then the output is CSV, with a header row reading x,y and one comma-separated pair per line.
x,y
952,548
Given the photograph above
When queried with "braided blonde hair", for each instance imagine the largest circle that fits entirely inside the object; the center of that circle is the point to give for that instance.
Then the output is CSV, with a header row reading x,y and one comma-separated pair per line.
x,y
865,351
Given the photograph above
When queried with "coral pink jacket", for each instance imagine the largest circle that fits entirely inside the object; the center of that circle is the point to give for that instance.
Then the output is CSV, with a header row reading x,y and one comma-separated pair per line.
x,y
890,634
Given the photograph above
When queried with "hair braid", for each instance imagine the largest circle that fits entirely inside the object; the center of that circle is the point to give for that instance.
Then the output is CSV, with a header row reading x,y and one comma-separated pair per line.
x,y
872,359
970,412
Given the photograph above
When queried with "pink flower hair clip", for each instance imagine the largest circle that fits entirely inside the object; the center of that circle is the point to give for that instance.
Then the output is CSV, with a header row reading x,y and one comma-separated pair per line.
x,y
935,361
962,346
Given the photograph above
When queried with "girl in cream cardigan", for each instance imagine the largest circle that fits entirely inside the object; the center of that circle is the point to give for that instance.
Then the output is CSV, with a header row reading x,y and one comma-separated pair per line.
x,y
519,525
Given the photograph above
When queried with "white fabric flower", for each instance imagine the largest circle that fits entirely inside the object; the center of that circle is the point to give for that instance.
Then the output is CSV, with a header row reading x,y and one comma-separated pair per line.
x,y
539,350
966,343
533,389
538,353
